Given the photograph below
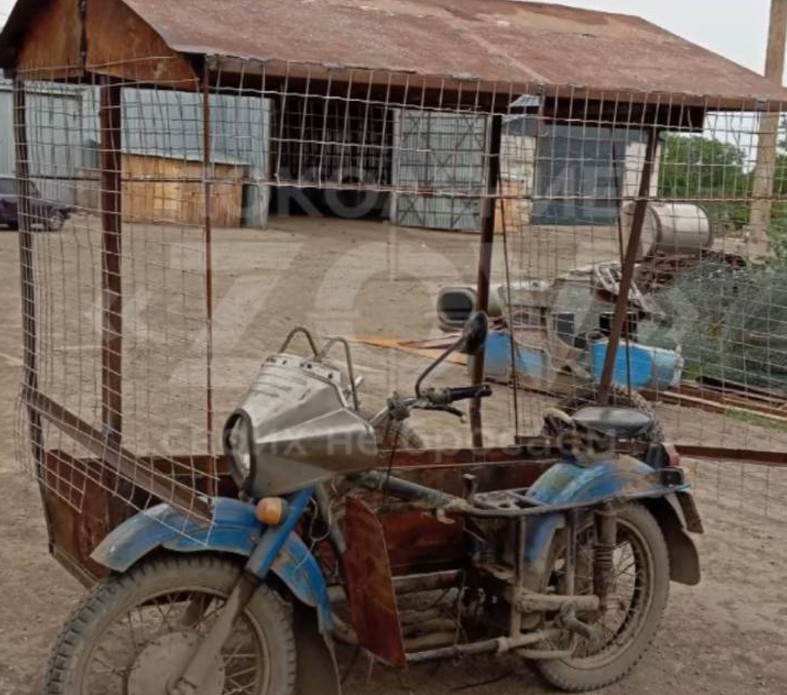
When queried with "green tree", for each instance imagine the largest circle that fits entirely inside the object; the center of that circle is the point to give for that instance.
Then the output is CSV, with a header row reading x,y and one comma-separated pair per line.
x,y
778,227
709,171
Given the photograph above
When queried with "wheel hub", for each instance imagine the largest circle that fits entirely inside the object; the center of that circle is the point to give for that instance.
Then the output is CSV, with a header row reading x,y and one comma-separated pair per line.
x,y
164,659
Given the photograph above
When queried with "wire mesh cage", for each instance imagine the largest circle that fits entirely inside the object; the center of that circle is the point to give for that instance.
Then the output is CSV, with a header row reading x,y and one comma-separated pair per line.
x,y
140,199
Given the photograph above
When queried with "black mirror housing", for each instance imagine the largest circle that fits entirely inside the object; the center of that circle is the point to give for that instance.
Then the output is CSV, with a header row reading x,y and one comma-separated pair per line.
x,y
474,333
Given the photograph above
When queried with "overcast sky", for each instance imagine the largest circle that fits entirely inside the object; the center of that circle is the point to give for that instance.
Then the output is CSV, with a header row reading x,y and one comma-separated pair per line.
x,y
737,29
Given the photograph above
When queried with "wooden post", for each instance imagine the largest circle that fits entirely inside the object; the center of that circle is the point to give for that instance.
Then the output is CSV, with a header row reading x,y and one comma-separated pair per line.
x,y
768,140
485,265
26,260
630,260
111,251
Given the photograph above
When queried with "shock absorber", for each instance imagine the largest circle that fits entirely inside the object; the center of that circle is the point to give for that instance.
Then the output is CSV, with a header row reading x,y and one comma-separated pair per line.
x,y
603,553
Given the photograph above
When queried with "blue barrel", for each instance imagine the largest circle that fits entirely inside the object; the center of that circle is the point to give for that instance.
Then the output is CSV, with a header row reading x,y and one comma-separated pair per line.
x,y
650,367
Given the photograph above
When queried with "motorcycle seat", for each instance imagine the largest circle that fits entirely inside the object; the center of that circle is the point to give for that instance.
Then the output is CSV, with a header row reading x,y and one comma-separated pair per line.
x,y
620,423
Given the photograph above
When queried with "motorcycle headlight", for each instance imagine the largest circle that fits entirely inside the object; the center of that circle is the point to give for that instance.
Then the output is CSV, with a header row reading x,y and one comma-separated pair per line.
x,y
239,448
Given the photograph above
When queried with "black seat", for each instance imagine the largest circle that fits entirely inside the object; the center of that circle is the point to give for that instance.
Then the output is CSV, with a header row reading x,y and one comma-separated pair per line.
x,y
620,423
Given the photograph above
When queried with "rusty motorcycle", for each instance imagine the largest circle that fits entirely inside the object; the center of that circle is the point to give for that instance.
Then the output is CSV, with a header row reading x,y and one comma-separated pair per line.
x,y
325,541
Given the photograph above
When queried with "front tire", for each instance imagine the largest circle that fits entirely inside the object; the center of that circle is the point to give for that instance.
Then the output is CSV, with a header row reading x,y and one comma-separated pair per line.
x,y
133,632
597,666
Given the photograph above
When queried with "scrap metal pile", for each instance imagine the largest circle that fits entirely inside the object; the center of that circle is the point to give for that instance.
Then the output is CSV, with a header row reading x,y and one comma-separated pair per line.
x,y
703,331
730,321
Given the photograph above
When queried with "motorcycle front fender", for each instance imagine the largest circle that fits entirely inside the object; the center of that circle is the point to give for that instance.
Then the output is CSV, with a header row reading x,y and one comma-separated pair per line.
x,y
234,530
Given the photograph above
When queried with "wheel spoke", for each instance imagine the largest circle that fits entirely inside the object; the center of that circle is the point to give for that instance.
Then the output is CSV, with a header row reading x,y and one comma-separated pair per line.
x,y
109,669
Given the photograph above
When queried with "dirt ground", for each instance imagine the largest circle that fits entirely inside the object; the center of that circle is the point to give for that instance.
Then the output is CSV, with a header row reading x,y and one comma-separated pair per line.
x,y
727,636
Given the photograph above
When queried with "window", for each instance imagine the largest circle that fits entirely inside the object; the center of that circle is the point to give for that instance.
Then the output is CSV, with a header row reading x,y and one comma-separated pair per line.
x,y
7,187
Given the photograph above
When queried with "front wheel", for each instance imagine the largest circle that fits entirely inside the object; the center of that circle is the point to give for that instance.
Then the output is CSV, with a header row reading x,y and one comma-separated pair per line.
x,y
640,588
135,633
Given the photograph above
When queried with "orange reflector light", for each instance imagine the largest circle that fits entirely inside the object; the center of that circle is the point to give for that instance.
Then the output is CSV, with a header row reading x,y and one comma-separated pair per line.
x,y
271,510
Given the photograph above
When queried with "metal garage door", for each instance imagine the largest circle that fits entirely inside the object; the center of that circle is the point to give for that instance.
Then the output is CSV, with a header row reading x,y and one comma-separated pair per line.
x,y
442,157
580,175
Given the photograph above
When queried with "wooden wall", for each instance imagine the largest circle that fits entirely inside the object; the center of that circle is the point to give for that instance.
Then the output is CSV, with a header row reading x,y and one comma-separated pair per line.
x,y
118,42
167,190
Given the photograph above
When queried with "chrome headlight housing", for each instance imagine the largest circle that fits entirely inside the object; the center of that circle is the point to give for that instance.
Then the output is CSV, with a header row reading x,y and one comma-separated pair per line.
x,y
239,449
293,428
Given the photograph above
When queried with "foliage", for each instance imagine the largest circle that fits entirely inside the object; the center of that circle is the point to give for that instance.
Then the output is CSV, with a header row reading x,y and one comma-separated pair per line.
x,y
707,170
778,228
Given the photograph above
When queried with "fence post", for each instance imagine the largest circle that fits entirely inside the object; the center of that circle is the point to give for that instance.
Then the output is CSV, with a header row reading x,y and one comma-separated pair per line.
x,y
630,260
485,266
111,250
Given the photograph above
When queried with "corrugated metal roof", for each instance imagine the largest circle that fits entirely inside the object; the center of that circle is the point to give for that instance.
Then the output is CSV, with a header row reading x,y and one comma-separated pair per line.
x,y
490,40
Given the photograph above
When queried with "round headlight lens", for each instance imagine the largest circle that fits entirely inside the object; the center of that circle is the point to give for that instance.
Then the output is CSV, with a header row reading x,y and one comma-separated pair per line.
x,y
237,445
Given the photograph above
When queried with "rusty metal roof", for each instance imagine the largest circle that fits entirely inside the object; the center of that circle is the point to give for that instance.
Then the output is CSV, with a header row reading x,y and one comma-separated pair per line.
x,y
489,40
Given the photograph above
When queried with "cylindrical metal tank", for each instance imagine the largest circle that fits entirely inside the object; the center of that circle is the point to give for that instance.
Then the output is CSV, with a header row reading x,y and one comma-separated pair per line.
x,y
671,228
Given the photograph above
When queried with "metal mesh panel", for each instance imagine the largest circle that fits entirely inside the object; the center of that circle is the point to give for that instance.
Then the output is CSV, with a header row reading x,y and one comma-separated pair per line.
x,y
142,302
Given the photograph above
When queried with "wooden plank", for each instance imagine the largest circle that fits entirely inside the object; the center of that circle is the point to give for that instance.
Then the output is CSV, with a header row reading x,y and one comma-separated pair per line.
x,y
120,44
713,406
408,347
52,48
171,190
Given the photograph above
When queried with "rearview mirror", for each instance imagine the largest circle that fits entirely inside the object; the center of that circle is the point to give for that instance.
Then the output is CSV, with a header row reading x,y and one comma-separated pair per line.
x,y
474,333
471,341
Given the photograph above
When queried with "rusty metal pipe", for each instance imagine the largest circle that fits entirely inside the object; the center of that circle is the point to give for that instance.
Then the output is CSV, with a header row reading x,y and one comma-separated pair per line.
x,y
433,640
499,645
485,267
627,272
536,603
29,317
212,477
110,115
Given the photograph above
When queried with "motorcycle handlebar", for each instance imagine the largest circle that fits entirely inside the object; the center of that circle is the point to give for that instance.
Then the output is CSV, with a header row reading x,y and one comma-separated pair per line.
x,y
462,393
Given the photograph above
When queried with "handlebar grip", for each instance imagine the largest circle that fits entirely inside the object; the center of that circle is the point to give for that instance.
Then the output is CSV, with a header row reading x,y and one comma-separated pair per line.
x,y
464,393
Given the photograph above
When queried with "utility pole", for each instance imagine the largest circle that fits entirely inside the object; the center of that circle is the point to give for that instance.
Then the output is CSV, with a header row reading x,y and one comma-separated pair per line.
x,y
768,141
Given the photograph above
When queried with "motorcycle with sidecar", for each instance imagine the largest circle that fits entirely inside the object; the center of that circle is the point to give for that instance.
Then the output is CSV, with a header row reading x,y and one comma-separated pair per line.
x,y
570,572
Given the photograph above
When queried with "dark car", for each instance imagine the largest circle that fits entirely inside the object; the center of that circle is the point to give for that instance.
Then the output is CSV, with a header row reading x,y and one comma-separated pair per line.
x,y
49,215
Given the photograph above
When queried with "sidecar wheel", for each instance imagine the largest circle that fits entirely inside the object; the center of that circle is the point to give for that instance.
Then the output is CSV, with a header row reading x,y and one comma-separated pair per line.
x,y
134,632
642,562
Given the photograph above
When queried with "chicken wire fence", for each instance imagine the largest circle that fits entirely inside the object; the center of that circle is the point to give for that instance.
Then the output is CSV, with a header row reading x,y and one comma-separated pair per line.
x,y
143,270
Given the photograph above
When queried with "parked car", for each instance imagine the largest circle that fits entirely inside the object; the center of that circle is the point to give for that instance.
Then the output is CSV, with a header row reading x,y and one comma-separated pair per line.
x,y
47,214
